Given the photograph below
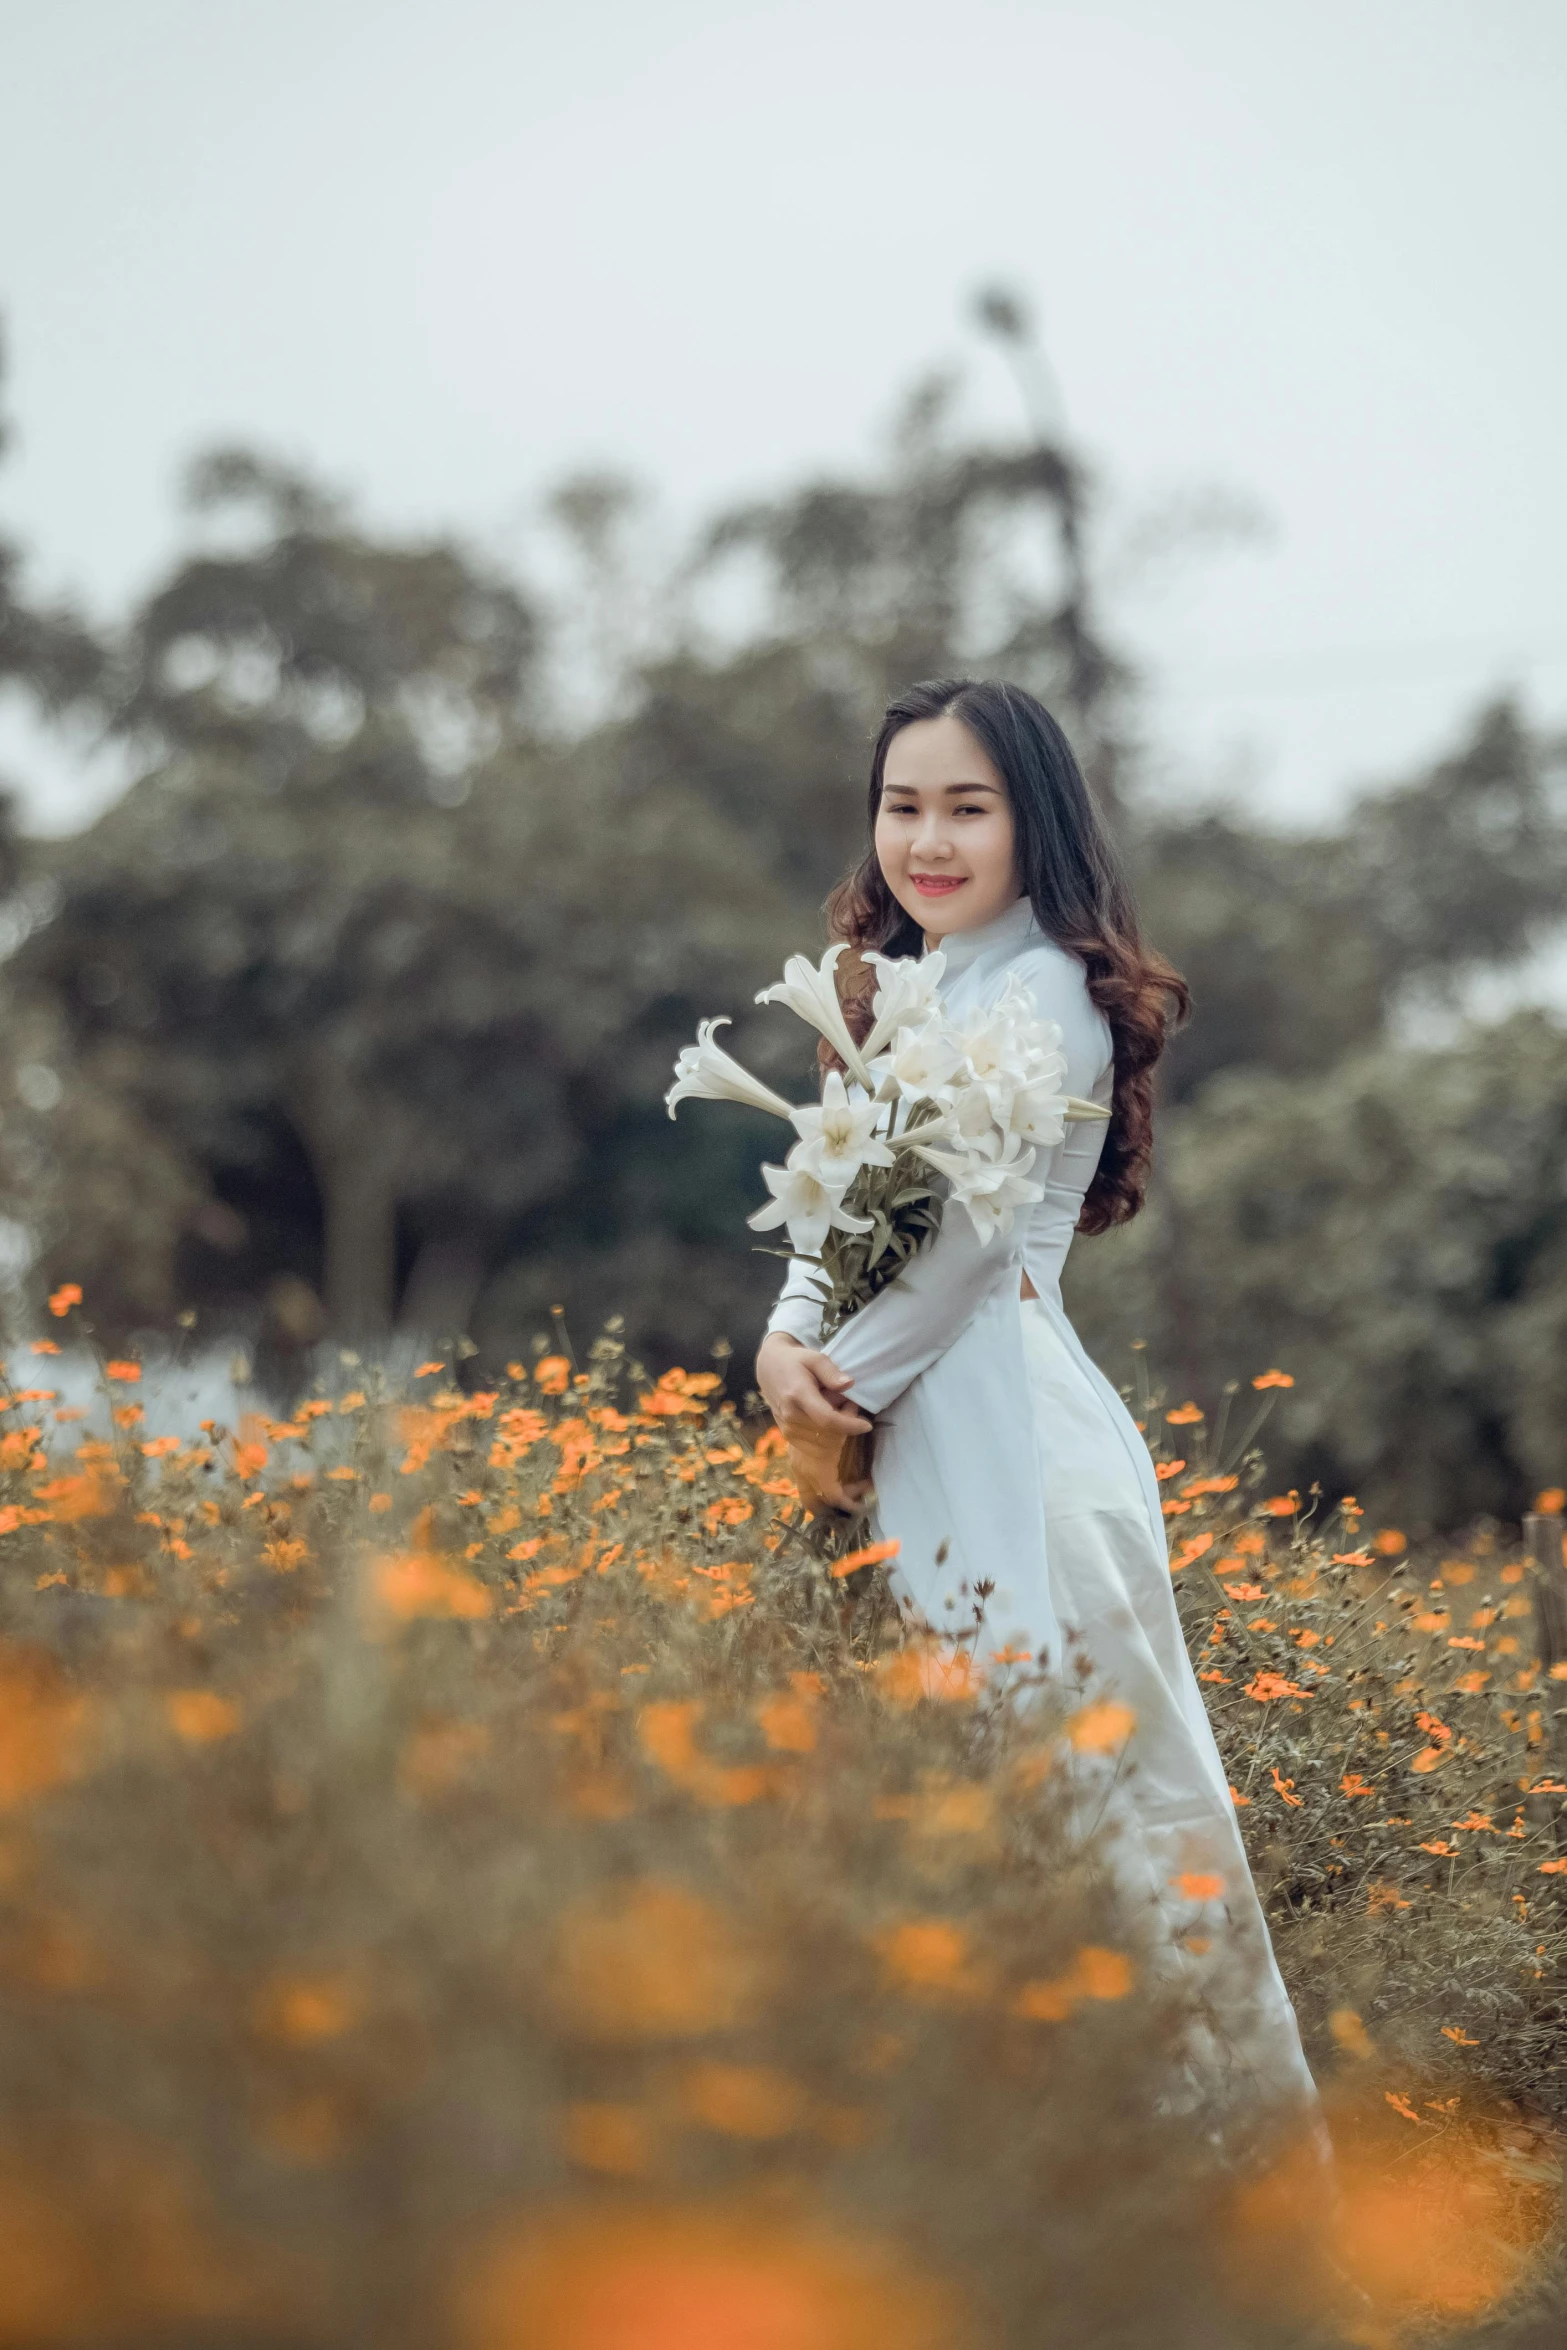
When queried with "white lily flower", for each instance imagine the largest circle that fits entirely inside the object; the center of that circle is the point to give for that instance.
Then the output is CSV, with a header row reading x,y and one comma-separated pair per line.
x,y
910,991
922,1061
973,1117
809,991
1038,1112
838,1137
704,1072
991,1187
810,1208
996,1057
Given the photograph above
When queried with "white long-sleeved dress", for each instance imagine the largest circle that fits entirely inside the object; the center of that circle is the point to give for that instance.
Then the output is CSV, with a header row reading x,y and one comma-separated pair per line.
x,y
1003,1455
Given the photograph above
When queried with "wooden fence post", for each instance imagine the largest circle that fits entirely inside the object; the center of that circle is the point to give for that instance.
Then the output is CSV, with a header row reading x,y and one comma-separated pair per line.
x,y
1543,1541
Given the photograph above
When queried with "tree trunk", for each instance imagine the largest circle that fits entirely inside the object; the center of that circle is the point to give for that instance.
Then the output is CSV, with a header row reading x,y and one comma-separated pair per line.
x,y
443,1287
354,1176
359,1254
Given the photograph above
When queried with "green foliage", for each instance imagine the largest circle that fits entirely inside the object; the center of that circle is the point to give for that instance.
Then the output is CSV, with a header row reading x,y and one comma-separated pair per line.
x,y
1303,948
1394,1233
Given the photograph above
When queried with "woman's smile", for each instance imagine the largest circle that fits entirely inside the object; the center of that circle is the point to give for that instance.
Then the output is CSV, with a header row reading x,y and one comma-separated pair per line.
x,y
944,835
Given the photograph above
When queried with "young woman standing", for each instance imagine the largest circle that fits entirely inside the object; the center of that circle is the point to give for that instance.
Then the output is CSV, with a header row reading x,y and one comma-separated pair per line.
x,y
1003,1457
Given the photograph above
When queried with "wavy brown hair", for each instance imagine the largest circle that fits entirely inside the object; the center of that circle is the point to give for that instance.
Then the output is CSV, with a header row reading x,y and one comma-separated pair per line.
x,y
1077,886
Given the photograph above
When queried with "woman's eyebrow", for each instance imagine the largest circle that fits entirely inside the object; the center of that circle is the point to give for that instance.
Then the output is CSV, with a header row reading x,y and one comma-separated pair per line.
x,y
912,790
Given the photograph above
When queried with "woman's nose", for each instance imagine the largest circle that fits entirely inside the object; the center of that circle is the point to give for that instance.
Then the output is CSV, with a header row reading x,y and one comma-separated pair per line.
x,y
931,839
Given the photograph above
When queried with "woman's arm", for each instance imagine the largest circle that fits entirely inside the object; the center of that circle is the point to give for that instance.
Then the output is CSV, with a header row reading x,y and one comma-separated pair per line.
x,y
800,1303
911,1323
803,1390
883,1348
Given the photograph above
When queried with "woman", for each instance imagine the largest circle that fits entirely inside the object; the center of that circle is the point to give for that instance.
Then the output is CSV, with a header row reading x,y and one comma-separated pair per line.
x,y
1019,1491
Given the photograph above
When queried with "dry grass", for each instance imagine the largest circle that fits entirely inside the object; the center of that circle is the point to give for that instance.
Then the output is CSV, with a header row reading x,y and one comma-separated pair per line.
x,y
471,1873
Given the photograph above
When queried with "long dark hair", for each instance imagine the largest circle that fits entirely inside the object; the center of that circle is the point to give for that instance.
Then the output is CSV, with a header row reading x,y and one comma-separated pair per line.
x,y
1076,883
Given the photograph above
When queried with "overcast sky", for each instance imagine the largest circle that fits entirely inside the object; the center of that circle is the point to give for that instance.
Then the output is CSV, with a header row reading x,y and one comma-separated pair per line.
x,y
447,251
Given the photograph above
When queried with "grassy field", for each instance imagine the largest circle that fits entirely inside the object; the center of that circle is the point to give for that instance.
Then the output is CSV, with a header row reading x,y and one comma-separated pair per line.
x,y
476,1869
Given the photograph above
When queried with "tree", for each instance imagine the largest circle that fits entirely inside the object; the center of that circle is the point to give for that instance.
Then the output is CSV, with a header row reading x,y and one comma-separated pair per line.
x,y
45,650
1393,1231
369,948
1302,947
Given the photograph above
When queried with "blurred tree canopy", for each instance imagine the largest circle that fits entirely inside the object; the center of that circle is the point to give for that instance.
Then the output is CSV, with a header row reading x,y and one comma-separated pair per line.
x,y
357,1009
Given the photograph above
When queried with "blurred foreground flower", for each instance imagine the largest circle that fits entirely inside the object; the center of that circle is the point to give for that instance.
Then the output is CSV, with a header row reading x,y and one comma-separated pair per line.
x,y
698,2277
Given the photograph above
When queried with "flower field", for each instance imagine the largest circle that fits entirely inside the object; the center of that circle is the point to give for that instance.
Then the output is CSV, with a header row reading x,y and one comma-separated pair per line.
x,y
477,1869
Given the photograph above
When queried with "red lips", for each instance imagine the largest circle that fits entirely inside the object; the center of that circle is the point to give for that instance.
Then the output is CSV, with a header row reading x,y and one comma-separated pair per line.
x,y
937,885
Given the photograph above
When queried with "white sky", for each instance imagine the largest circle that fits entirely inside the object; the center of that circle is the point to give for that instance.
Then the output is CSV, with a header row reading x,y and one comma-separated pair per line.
x,y
446,252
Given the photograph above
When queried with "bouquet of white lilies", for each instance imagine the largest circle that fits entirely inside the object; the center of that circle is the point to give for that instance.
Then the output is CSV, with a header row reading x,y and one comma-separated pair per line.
x,y
971,1102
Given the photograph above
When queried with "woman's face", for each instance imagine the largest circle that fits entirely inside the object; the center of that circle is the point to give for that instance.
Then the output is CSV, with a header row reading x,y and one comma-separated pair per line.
x,y
944,834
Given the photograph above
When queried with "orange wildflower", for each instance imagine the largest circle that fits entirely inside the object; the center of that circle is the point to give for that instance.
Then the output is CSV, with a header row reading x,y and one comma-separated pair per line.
x,y
923,1669
1185,1415
601,2276
667,1733
62,1299
788,1719
872,1555
1266,1687
1274,1379
552,1373
72,1499
1198,1885
44,1726
1101,1729
744,2100
200,1716
931,1957
614,2139
1349,2033
304,2009
1285,1789
653,1961
420,1582
1095,1973
677,1392
126,1372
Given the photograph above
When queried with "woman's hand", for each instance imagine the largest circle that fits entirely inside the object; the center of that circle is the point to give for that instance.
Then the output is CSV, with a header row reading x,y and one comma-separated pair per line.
x,y
804,1392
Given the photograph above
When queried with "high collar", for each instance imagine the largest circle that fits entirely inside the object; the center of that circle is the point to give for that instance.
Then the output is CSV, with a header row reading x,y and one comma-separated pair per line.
x,y
963,948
